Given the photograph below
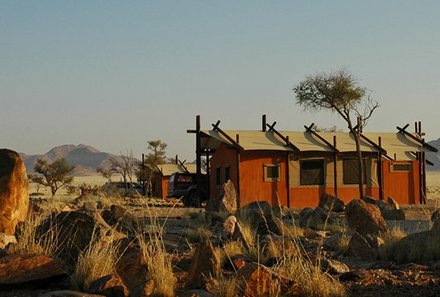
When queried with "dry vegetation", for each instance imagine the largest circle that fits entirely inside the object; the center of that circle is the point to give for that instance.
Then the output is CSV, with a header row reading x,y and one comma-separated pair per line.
x,y
286,255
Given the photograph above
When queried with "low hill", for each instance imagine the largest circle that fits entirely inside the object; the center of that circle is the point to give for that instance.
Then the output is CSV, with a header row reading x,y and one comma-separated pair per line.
x,y
85,158
434,157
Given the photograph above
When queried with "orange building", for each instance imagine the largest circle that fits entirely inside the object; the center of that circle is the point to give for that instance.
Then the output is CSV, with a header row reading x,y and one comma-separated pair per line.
x,y
293,168
162,176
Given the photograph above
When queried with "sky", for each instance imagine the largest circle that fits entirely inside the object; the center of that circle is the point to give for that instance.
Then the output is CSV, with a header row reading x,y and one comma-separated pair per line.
x,y
115,74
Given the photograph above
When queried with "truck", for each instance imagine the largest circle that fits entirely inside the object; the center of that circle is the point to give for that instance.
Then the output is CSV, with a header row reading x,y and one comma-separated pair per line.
x,y
184,187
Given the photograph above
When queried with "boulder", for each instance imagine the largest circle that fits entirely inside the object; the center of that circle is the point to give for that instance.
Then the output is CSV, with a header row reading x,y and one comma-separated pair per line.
x,y
393,203
205,262
68,293
393,214
75,230
196,293
238,235
30,271
229,198
331,203
132,270
14,198
109,285
5,239
333,266
315,218
226,201
365,218
260,215
364,247
435,215
258,280
229,225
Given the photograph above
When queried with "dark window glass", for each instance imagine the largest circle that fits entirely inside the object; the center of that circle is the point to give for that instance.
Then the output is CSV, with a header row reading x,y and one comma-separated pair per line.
x,y
351,171
227,173
218,177
312,172
272,172
401,167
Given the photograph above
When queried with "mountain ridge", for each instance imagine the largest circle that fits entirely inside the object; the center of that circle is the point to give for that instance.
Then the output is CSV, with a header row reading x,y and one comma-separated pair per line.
x,y
85,158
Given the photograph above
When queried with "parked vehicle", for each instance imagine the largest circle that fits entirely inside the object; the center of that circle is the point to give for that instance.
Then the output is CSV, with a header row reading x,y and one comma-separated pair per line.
x,y
122,189
184,186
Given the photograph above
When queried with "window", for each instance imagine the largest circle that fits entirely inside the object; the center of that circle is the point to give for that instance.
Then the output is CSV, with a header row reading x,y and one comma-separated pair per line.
x,y
272,172
218,177
351,171
311,172
401,167
227,173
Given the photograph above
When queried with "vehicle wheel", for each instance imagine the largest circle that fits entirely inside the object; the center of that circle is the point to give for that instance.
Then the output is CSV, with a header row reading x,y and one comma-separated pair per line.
x,y
192,200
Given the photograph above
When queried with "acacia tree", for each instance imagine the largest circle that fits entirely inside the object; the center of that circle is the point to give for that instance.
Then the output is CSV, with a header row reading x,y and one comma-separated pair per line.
x,y
53,175
156,156
339,92
124,165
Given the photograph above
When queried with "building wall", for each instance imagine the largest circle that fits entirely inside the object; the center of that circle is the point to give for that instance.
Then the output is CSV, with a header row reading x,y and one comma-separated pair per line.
x,y
224,157
253,185
403,186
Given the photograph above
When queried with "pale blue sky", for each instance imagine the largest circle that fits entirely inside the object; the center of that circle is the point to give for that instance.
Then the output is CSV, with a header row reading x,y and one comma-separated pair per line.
x,y
114,74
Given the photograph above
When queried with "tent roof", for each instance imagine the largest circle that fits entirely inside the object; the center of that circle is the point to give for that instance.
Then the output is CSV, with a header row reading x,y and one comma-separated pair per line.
x,y
169,169
393,143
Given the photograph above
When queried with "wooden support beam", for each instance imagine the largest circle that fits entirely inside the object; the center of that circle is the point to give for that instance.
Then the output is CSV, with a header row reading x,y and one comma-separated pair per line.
x,y
284,138
263,123
335,166
420,141
309,129
216,128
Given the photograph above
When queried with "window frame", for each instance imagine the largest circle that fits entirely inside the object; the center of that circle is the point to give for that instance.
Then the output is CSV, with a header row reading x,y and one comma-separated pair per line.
x,y
266,171
356,181
393,168
323,172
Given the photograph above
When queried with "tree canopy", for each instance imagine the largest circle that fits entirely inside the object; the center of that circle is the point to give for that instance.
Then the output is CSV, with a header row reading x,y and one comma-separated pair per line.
x,y
339,92
53,175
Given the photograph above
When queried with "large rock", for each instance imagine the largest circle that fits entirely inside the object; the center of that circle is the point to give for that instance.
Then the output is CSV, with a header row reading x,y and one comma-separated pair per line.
x,y
226,201
205,262
364,247
30,271
316,218
68,293
365,218
259,214
14,198
75,231
331,203
132,270
109,285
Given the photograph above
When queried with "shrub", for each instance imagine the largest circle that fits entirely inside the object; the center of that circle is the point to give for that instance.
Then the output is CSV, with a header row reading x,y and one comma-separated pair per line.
x,y
98,260
159,265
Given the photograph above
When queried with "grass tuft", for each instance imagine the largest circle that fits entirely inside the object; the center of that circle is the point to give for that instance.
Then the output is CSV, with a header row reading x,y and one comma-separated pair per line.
x,y
98,260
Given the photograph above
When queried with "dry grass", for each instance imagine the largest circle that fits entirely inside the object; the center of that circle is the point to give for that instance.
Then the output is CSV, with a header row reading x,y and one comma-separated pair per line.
x,y
198,234
98,260
391,239
297,267
158,261
227,287
343,242
29,242
159,265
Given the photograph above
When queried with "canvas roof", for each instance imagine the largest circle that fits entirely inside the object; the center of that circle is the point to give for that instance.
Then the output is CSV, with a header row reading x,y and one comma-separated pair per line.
x,y
393,143
169,169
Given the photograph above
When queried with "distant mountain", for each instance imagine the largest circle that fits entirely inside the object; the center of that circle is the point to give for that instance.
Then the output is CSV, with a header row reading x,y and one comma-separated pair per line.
x,y
434,157
85,158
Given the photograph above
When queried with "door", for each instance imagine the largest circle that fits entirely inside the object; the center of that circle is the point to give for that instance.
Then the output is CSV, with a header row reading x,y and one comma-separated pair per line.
x,y
401,181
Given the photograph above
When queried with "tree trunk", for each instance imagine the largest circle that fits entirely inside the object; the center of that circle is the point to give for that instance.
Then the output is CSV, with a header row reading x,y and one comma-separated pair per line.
x,y
360,163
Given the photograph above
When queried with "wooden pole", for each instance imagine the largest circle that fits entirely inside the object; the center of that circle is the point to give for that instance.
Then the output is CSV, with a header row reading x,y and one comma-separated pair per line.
x,y
263,124
238,160
288,177
198,161
335,167
379,170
